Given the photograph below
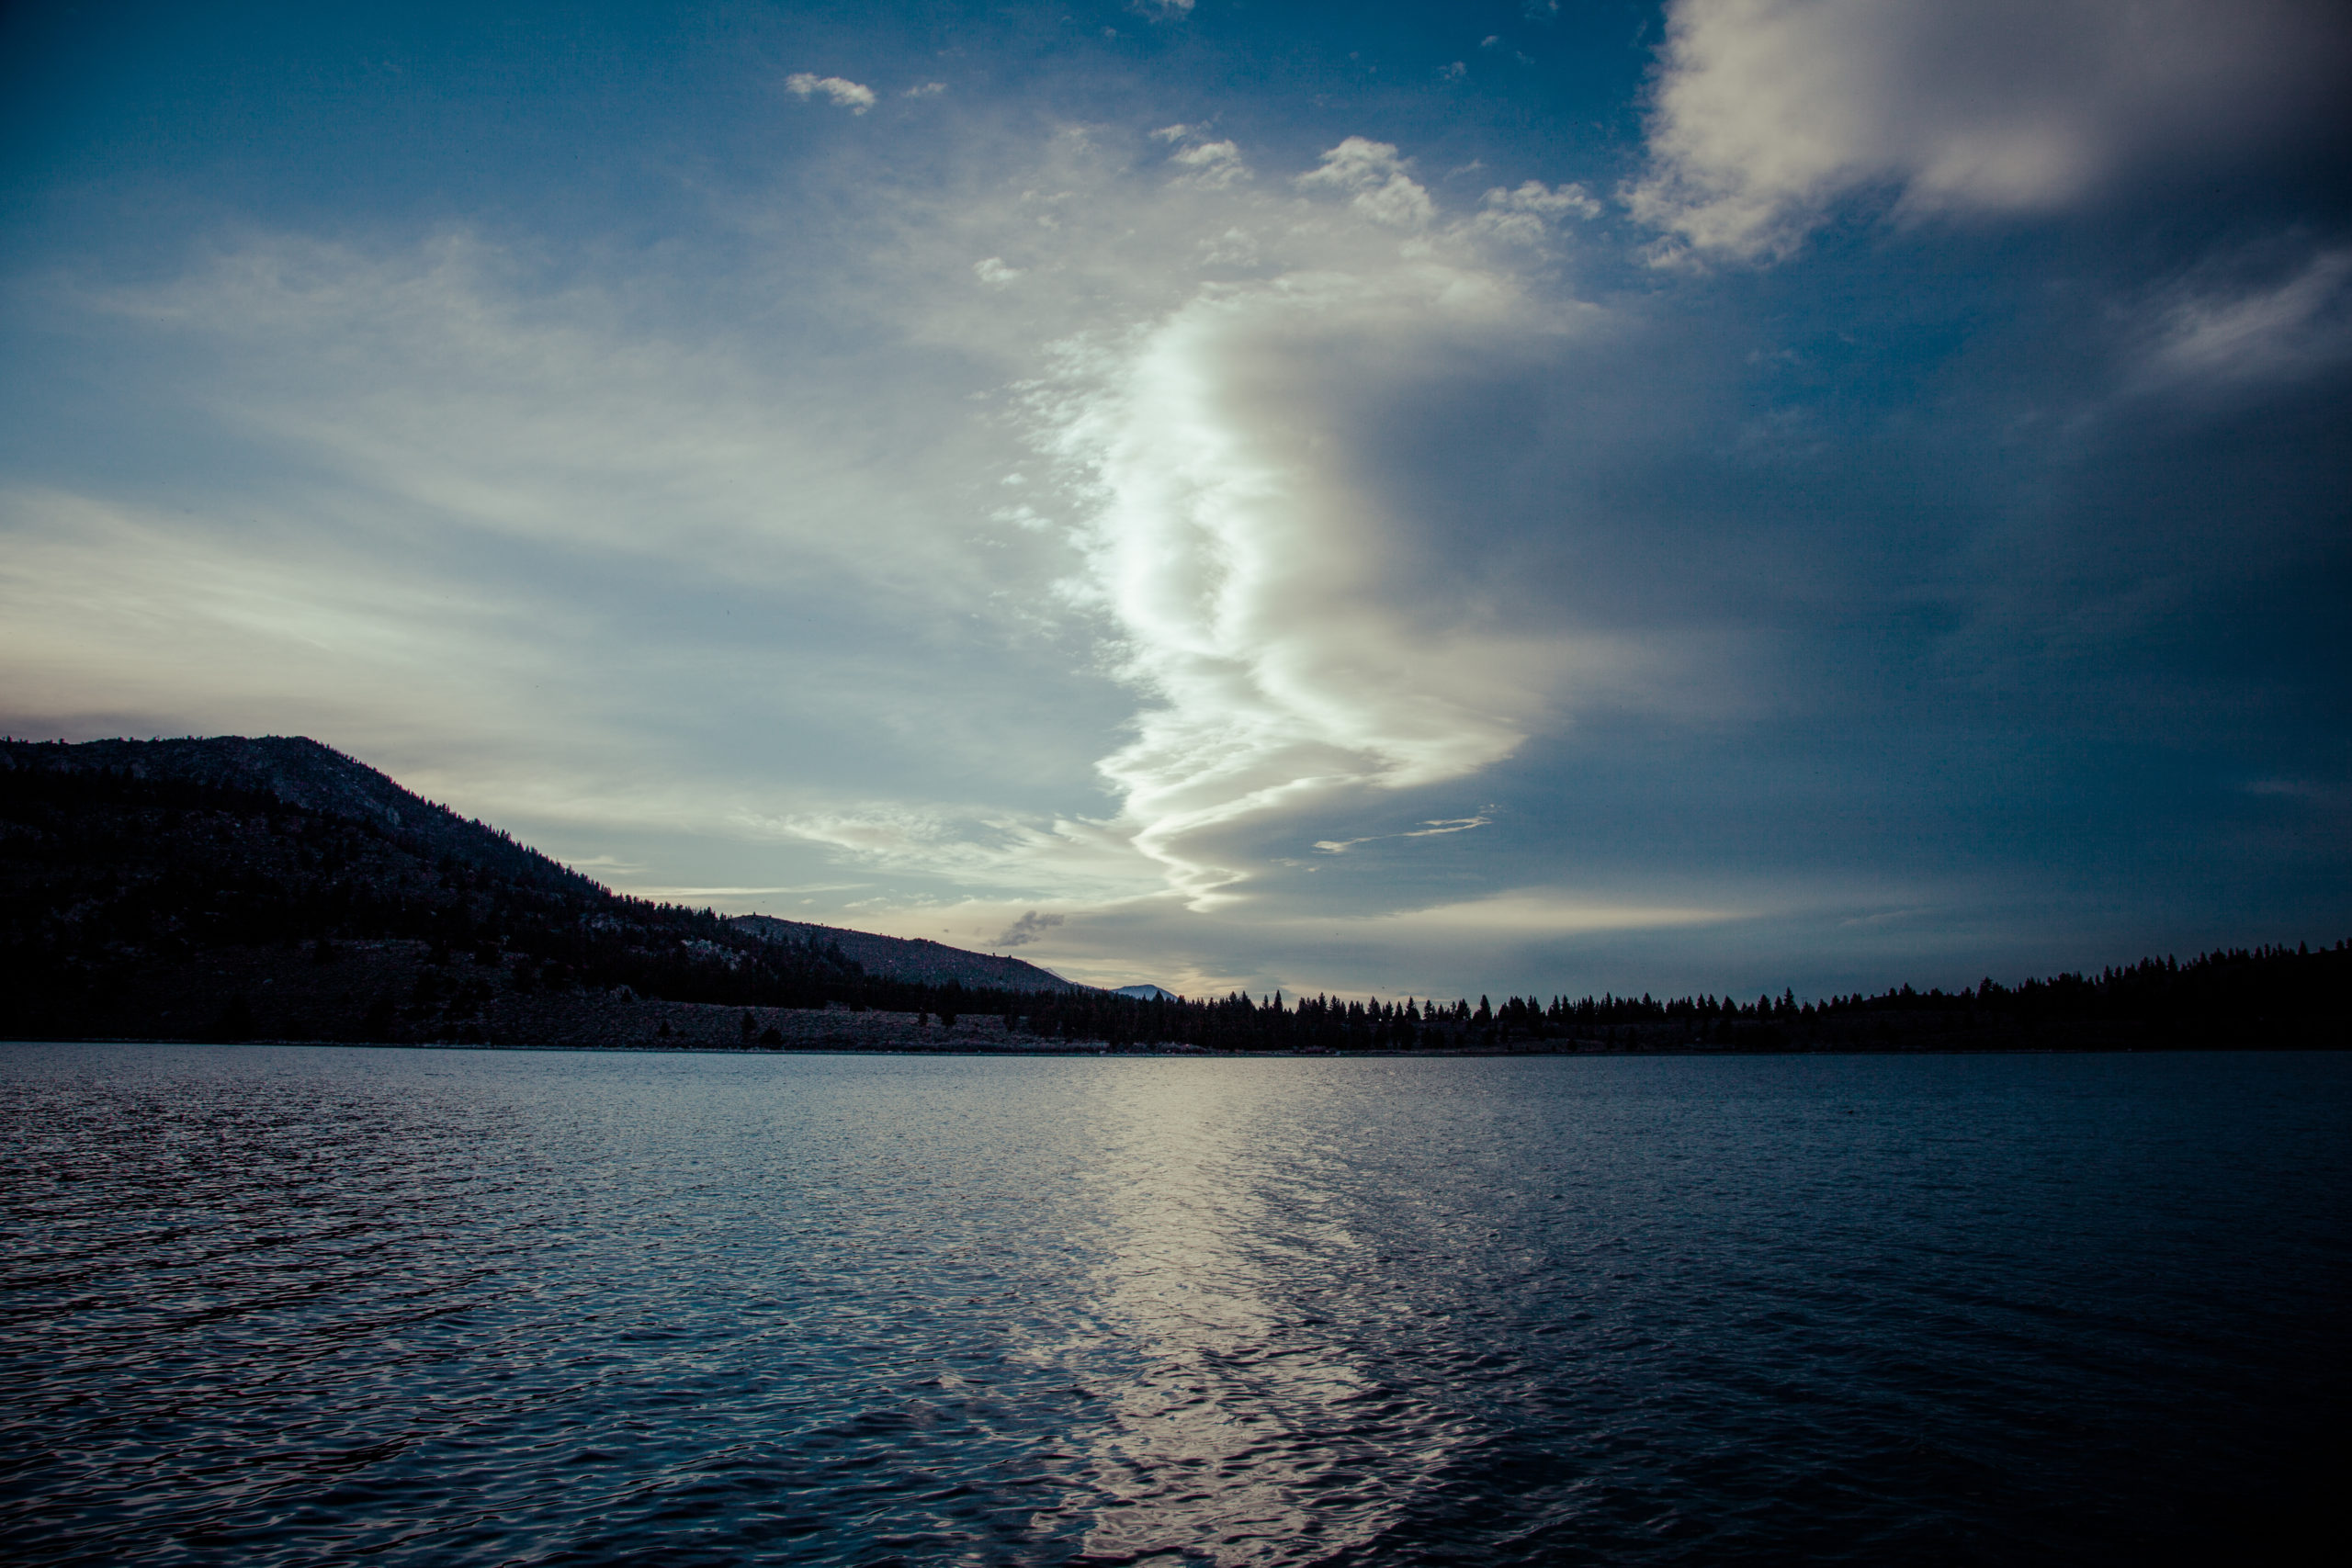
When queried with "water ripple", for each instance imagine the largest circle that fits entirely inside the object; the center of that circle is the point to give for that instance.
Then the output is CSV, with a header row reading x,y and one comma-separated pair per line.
x,y
281,1306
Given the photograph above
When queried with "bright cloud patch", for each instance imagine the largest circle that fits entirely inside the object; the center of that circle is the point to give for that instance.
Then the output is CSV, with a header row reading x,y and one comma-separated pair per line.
x,y
1531,911
1426,830
1372,173
1771,109
852,96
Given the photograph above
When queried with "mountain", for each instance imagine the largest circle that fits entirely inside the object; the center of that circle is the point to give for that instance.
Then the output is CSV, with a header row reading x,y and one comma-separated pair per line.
x,y
300,772
1145,993
912,959
233,889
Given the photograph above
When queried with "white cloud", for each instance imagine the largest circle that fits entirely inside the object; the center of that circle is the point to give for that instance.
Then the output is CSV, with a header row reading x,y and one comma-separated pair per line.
x,y
1546,912
1372,173
1436,830
1235,247
853,97
925,90
993,272
1212,164
2260,336
1253,582
1525,215
1535,196
1279,607
1770,110
1071,858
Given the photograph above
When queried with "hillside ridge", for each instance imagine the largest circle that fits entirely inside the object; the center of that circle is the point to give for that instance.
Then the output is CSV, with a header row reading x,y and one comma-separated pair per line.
x,y
309,773
232,885
915,959
312,776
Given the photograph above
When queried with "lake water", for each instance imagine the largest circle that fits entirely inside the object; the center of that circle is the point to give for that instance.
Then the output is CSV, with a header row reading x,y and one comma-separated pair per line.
x,y
283,1304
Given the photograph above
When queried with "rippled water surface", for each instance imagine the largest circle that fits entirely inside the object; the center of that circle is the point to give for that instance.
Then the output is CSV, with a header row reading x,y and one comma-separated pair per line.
x,y
280,1305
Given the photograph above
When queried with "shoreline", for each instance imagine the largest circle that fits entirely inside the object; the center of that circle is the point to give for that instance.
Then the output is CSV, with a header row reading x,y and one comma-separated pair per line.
x,y
1201,1054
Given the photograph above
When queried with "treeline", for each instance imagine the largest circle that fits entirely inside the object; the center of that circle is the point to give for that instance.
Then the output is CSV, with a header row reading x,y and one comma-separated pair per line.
x,y
105,876
2266,995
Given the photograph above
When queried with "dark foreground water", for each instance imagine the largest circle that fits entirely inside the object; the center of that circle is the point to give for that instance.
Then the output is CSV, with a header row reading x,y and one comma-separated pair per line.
x,y
277,1305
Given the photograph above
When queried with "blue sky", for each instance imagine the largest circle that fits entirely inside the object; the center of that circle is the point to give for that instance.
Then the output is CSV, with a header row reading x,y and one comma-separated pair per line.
x,y
1412,499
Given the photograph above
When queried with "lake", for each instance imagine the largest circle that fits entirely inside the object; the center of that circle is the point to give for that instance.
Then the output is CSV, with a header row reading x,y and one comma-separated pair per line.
x,y
301,1304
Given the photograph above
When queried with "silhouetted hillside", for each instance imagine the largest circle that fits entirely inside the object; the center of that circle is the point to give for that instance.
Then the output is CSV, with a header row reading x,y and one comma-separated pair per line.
x,y
299,772
911,958
278,889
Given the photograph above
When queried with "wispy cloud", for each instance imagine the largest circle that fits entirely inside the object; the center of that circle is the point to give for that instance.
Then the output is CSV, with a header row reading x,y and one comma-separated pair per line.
x,y
1212,164
2282,331
854,96
987,852
1529,214
1426,830
1029,928
1537,912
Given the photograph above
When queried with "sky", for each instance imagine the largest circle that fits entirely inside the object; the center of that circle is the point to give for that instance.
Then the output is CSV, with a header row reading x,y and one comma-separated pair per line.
x,y
1433,500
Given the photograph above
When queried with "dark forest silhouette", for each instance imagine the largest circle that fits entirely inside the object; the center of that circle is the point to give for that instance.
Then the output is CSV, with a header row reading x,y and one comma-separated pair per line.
x,y
125,866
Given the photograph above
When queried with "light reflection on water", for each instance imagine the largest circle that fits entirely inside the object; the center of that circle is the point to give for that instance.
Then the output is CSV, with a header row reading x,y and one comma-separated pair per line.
x,y
282,1306
1250,1430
